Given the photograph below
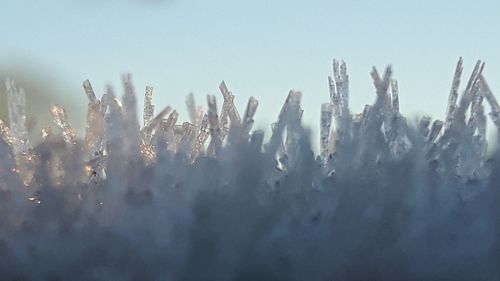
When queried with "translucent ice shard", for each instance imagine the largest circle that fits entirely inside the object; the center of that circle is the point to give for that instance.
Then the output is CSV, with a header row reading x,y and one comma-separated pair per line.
x,y
290,107
469,93
154,124
334,98
370,133
247,122
341,85
381,84
293,130
167,130
148,106
17,135
395,96
114,130
214,127
16,103
476,109
325,124
339,97
230,108
95,119
459,139
169,123
89,91
453,97
151,126
94,134
229,115
61,119
147,147
201,138
186,138
495,107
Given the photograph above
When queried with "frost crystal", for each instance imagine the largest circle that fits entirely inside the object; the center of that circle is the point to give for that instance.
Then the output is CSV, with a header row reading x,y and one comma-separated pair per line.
x,y
325,124
248,117
213,199
61,119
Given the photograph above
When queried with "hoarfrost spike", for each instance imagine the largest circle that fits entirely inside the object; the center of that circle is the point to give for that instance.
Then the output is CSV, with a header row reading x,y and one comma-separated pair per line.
x,y
61,120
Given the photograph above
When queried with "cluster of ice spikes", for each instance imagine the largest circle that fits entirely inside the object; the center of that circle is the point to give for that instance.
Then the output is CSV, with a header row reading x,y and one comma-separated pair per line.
x,y
379,133
209,199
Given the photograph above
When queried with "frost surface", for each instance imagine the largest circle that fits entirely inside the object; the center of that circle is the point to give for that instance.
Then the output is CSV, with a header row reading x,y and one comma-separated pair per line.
x,y
384,199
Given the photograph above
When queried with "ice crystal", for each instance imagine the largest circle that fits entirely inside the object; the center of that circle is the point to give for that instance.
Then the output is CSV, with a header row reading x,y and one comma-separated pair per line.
x,y
213,199
61,119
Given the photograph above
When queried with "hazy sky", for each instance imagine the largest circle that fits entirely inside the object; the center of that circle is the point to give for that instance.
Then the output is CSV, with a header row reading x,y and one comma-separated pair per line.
x,y
261,48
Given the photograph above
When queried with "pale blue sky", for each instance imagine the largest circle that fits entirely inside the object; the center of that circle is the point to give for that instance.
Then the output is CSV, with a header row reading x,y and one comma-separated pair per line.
x,y
261,48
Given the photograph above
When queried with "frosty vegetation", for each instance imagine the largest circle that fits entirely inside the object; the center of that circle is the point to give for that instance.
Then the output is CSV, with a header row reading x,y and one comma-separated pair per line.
x,y
207,199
